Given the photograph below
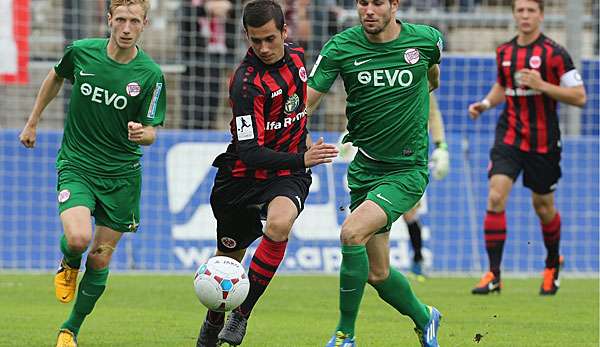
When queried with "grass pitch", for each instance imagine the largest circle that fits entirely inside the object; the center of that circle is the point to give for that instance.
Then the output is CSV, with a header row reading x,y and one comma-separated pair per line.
x,y
159,310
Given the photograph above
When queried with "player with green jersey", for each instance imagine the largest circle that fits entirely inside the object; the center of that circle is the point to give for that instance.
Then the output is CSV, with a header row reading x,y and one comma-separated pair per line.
x,y
118,99
388,69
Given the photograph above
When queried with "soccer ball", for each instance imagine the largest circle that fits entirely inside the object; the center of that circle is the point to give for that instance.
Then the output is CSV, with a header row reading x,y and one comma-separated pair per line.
x,y
221,284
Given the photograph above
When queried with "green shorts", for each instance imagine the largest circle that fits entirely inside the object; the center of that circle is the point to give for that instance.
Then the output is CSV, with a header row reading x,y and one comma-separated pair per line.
x,y
114,202
395,190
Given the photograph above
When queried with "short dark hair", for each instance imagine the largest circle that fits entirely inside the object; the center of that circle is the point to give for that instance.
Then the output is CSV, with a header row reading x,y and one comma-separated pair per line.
x,y
258,12
539,2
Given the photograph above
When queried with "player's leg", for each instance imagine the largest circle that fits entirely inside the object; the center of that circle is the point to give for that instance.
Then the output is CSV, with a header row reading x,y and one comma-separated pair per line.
x,y
393,287
94,279
541,175
117,211
285,198
505,167
358,228
416,240
76,203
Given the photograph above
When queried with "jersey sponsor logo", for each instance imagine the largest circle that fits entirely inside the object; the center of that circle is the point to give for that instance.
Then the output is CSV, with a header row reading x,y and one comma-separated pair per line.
x,y
245,130
506,63
521,92
383,78
154,101
358,63
291,104
133,89
228,242
286,121
276,93
83,74
314,69
535,62
412,56
64,195
302,74
101,96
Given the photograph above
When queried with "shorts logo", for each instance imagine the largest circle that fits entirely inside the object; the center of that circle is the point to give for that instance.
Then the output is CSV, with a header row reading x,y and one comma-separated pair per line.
x,y
133,89
64,195
302,74
228,242
412,55
535,62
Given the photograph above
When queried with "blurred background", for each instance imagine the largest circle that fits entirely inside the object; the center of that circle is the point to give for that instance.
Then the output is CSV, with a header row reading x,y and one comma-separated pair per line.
x,y
198,44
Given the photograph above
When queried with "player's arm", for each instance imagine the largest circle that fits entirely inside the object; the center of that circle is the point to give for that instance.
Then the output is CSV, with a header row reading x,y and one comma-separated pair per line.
x,y
494,97
440,158
48,91
433,75
313,100
571,91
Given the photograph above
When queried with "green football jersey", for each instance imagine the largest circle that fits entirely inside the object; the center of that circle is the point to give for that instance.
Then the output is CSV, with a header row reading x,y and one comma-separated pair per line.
x,y
388,91
107,95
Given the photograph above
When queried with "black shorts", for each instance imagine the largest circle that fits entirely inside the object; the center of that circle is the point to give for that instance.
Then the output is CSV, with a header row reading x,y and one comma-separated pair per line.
x,y
239,205
541,172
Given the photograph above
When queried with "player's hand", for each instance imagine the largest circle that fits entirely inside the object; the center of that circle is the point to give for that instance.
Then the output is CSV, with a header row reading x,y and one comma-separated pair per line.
x,y
27,136
439,162
531,78
135,131
476,108
320,153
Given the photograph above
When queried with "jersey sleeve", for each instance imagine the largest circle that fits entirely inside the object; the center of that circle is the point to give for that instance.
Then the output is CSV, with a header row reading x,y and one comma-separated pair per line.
x,y
247,105
438,39
66,66
154,106
326,68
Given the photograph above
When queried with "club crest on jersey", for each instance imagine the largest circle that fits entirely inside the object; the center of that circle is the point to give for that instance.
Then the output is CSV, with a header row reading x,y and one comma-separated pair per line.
x,y
64,195
291,104
302,74
133,89
535,62
412,56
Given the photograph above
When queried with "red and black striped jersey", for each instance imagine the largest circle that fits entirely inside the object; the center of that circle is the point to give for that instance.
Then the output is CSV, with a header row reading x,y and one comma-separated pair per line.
x,y
268,127
530,120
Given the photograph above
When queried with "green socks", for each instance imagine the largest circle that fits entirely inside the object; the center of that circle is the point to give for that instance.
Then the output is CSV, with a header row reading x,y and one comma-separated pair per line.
x,y
90,289
396,291
72,259
354,273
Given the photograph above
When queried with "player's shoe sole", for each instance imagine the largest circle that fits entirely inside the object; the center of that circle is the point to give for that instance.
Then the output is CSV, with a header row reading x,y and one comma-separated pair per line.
x,y
428,337
65,282
234,330
208,336
339,339
488,284
66,338
551,281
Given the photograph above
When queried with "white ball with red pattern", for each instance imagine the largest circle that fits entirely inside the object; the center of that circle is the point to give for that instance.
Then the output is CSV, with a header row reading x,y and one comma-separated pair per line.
x,y
221,284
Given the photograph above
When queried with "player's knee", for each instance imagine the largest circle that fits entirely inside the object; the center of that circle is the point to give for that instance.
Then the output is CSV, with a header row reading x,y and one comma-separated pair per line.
x,y
496,200
100,256
351,234
78,243
378,275
543,210
278,229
